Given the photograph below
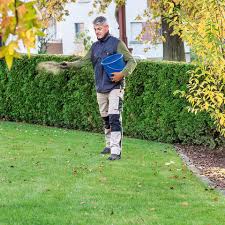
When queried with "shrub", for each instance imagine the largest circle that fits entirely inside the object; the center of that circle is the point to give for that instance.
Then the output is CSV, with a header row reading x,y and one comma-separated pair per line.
x,y
151,110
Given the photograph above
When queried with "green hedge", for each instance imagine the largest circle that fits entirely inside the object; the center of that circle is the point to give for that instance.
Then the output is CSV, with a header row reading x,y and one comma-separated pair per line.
x,y
151,111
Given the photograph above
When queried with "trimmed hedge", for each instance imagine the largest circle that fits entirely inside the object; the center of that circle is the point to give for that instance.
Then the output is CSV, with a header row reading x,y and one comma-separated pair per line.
x,y
151,111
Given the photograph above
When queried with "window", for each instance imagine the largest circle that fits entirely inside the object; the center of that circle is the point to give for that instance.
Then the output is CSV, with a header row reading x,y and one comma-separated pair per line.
x,y
148,32
79,27
136,28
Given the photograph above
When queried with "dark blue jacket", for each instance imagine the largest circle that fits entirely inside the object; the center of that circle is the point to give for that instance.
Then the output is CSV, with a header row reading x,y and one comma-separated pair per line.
x,y
99,51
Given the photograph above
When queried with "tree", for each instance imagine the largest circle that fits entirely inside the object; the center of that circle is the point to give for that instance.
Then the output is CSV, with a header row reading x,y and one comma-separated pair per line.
x,y
202,25
18,22
173,45
22,21
53,9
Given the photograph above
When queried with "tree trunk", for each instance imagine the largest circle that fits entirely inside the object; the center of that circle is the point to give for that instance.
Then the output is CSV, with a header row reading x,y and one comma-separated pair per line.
x,y
173,47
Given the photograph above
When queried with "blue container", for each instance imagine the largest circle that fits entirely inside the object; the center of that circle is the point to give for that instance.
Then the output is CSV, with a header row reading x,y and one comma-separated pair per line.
x,y
113,63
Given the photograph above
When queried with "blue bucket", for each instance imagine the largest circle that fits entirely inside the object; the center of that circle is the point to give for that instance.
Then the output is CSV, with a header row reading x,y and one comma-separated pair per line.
x,y
113,63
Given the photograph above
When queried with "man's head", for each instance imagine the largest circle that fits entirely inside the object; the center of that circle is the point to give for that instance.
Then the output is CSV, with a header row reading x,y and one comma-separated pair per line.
x,y
101,27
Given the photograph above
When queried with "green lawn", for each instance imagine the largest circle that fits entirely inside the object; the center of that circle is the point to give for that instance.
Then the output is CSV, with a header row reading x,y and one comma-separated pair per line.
x,y
55,176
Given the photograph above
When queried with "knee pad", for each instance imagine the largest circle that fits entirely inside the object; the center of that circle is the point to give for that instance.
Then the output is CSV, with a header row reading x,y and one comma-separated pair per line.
x,y
115,123
106,122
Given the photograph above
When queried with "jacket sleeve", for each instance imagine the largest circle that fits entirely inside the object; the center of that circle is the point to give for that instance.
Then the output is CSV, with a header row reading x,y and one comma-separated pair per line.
x,y
81,62
128,58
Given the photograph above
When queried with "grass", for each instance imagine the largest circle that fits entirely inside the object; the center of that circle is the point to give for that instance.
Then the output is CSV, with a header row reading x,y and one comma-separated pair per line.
x,y
55,176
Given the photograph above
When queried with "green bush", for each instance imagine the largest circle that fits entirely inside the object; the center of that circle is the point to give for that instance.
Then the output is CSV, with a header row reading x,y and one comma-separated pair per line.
x,y
151,111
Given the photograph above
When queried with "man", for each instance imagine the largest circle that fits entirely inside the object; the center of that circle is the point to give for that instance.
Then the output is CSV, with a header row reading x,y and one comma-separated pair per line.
x,y
109,92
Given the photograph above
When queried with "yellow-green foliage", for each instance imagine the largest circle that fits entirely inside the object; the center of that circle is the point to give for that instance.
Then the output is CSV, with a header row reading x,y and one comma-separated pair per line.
x,y
201,24
22,21
18,19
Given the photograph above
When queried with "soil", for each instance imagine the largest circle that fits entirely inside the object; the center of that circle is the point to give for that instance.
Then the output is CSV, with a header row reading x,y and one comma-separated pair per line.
x,y
208,162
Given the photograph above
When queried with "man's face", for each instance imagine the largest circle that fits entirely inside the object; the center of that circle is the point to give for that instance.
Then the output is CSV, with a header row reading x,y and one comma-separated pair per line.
x,y
101,30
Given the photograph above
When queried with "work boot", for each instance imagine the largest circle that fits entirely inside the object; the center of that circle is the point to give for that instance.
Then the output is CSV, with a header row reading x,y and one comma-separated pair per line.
x,y
106,150
114,157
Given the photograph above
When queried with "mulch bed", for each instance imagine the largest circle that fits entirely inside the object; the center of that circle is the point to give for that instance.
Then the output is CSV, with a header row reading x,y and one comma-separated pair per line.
x,y
210,162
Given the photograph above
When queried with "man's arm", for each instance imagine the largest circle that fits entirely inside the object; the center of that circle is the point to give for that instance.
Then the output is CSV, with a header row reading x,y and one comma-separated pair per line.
x,y
77,64
128,58
130,62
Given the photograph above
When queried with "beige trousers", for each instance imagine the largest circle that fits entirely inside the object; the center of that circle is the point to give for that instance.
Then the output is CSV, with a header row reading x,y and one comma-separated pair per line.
x,y
110,107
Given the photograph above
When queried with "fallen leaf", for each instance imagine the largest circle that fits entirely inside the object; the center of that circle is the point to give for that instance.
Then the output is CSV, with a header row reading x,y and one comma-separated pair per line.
x,y
74,172
169,163
102,179
184,204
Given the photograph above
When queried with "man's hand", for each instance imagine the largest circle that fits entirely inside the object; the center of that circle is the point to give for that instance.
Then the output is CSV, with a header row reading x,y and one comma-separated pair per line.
x,y
117,76
64,65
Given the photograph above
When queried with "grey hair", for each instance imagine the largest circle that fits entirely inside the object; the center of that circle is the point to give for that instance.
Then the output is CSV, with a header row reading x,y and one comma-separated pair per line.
x,y
100,20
